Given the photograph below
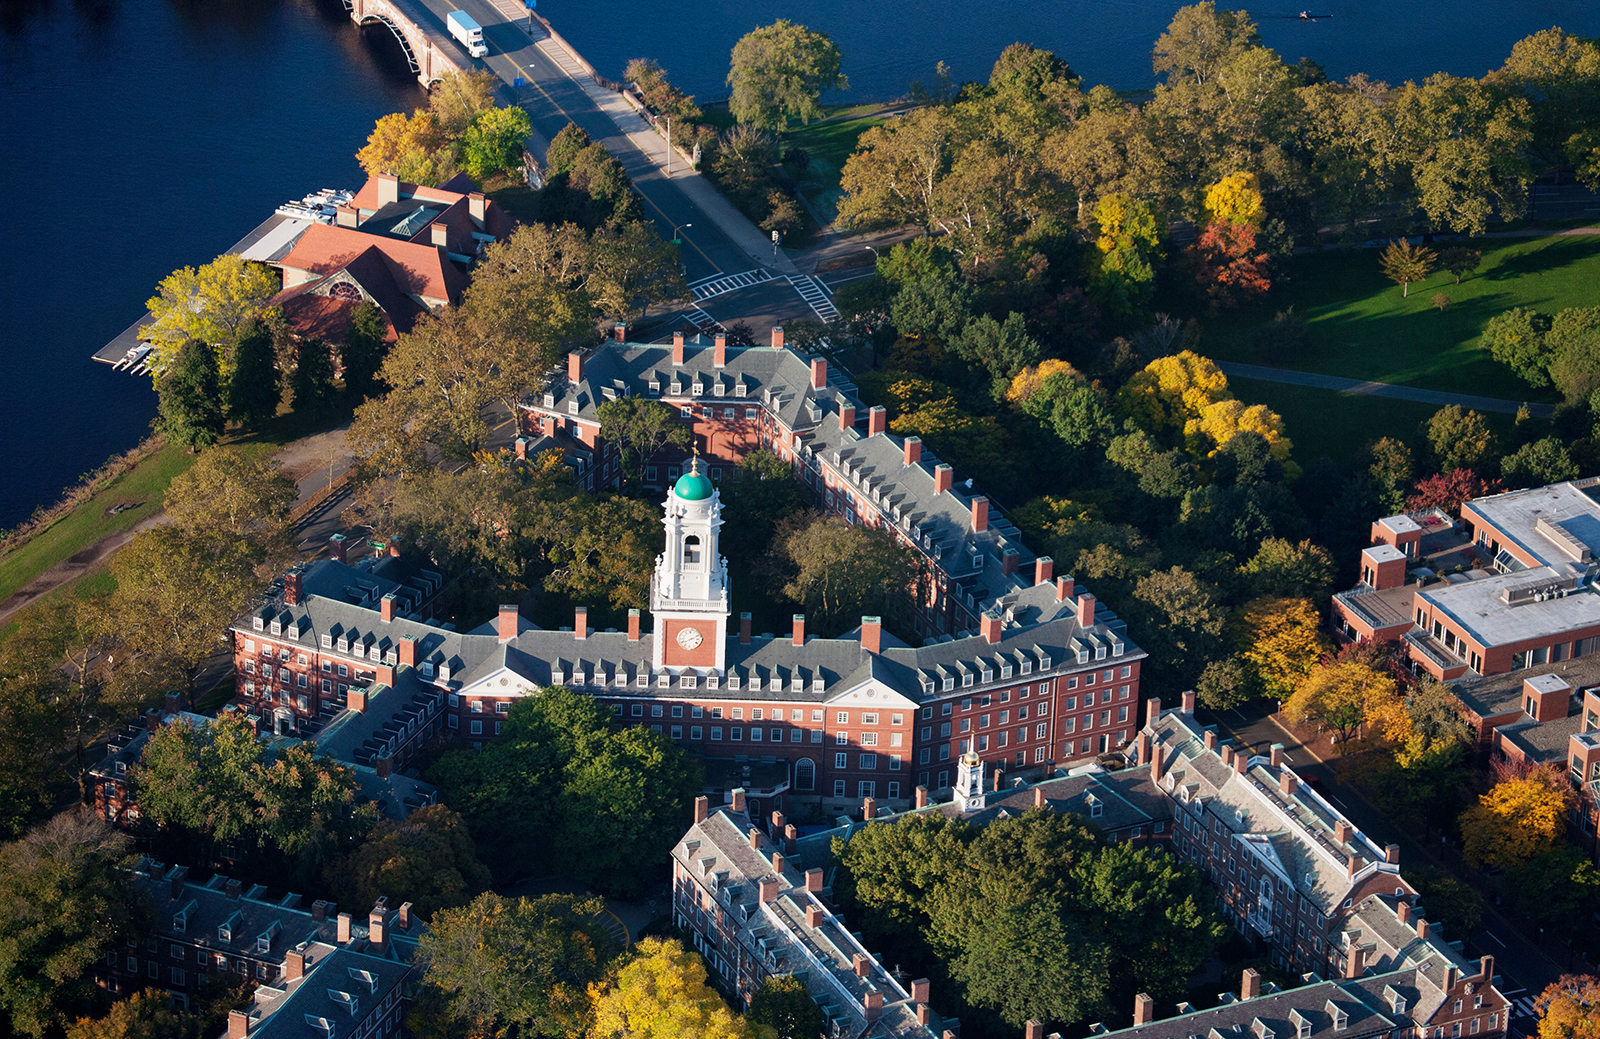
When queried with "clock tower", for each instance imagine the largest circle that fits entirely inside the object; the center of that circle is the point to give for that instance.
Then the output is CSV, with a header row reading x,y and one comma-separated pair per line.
x,y
689,592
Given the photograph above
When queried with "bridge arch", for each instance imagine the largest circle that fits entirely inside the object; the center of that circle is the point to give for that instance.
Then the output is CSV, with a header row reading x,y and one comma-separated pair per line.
x,y
428,53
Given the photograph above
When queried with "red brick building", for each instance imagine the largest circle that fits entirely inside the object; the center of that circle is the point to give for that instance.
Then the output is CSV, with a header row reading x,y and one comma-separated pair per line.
x,y
1047,678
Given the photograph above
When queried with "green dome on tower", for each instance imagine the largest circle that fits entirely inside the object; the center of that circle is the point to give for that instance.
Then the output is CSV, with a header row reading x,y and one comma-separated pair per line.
x,y
691,486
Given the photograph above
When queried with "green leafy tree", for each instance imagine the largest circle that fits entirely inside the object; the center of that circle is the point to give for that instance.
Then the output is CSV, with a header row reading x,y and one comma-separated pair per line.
x,y
840,572
1516,338
198,779
889,873
1450,901
1128,247
494,142
779,72
1574,344
1181,623
1200,42
1559,890
1459,260
1004,348
1404,263
758,494
211,303
639,429
783,1004
603,550
150,1014
28,761
1287,569
1392,472
459,98
254,390
632,268
190,397
1463,144
228,500
1461,439
564,148
523,964
1226,683
311,388
1539,463
63,902
361,353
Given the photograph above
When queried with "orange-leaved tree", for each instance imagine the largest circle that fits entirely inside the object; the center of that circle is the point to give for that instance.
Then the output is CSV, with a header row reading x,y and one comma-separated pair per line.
x,y
1519,818
1569,1008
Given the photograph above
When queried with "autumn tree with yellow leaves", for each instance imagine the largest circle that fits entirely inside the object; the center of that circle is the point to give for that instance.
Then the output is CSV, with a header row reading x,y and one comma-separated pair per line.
x,y
1236,199
661,993
1342,696
1518,819
1570,1008
1281,640
1185,399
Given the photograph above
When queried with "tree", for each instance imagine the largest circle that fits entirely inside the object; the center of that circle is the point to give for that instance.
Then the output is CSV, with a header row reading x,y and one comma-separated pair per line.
x,y
1342,696
228,499
639,429
312,386
661,993
1516,338
564,149
1451,902
1212,431
1281,640
1404,263
1288,570
197,778
1128,247
889,873
1574,345
150,1014
517,964
28,761
1556,72
1459,260
1200,41
1181,622
632,268
1569,1008
1170,392
459,98
779,72
429,855
1541,462
1230,267
1462,144
1446,491
211,303
783,1004
840,572
494,142
1461,439
63,902
1559,890
758,494
1226,683
414,148
603,549
361,353
254,390
1516,820
190,397
1236,199
175,598
1003,348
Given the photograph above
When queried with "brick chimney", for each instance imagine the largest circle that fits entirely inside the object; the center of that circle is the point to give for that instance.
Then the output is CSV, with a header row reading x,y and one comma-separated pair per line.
x,y
336,544
847,415
1144,1009
1033,1029
814,880
1241,761
1043,569
508,622
619,333
799,636
388,189
1342,831
1227,755
943,478
1141,749
920,990
719,350
1403,911
408,651
385,675
394,547
347,216
1038,797
580,622
872,1004
744,629
872,634
814,916
294,964
819,365
1158,761
1391,854
1009,560
342,934
1288,784
386,607
356,699
633,625
383,766
920,797
862,964
575,366
521,446
1353,865
402,917
238,1024
1085,610
1188,702
1422,928
176,879
441,234
791,835
869,809
477,207
292,586
1451,975
1355,961
1211,739
233,888
1486,968
1277,755
769,889
990,625
755,838
913,450
980,514
877,420
924,1014
777,820
677,348
777,339
171,703
702,809
737,804
777,863
1250,983
378,927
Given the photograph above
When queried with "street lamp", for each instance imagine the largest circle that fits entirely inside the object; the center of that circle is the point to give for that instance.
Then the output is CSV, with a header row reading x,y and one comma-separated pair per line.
x,y
669,145
871,250
676,240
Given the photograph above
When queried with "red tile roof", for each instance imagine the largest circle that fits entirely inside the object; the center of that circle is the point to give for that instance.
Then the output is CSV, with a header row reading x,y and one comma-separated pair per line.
x,y
456,189
419,270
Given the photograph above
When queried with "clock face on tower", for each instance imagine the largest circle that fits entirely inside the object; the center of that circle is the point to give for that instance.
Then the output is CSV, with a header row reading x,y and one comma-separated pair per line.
x,y
689,638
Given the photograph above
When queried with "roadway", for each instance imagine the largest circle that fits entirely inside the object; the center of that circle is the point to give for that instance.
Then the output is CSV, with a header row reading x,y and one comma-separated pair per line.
x,y
552,100
1524,967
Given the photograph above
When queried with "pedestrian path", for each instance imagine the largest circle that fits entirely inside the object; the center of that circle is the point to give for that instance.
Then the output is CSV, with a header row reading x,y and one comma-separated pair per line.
x,y
1522,1006
717,284
815,294
1381,389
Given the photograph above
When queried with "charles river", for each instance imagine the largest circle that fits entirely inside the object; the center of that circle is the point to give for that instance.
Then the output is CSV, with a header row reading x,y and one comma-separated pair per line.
x,y
137,136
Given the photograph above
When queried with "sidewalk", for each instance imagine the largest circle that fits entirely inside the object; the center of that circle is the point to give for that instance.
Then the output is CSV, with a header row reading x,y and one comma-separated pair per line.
x,y
1381,389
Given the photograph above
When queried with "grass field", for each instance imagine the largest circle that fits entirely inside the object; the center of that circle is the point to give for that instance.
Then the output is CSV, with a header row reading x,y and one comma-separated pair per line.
x,y
1341,425
141,487
1362,327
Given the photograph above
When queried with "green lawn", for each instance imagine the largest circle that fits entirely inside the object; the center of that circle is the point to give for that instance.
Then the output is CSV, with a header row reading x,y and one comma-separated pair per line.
x,y
830,142
1363,328
1341,425
142,487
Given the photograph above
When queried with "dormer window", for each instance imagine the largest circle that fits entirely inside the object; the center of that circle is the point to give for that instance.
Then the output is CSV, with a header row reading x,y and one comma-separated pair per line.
x,y
572,407
257,623
327,641
655,389
277,626
549,400
1005,671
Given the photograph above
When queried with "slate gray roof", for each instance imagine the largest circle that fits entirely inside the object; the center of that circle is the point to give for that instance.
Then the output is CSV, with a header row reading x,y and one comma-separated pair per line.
x,y
1502,694
1280,1013
197,911
1293,834
341,986
1374,925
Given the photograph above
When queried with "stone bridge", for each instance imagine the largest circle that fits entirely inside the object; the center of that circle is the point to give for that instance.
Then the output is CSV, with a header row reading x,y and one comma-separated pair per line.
x,y
430,52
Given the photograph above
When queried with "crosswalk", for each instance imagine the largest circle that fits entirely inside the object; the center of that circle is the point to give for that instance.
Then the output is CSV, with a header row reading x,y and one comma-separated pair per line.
x,y
815,294
717,284
702,321
1522,1006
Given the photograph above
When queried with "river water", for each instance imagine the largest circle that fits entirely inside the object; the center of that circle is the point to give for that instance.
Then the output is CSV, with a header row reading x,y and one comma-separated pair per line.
x,y
137,136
